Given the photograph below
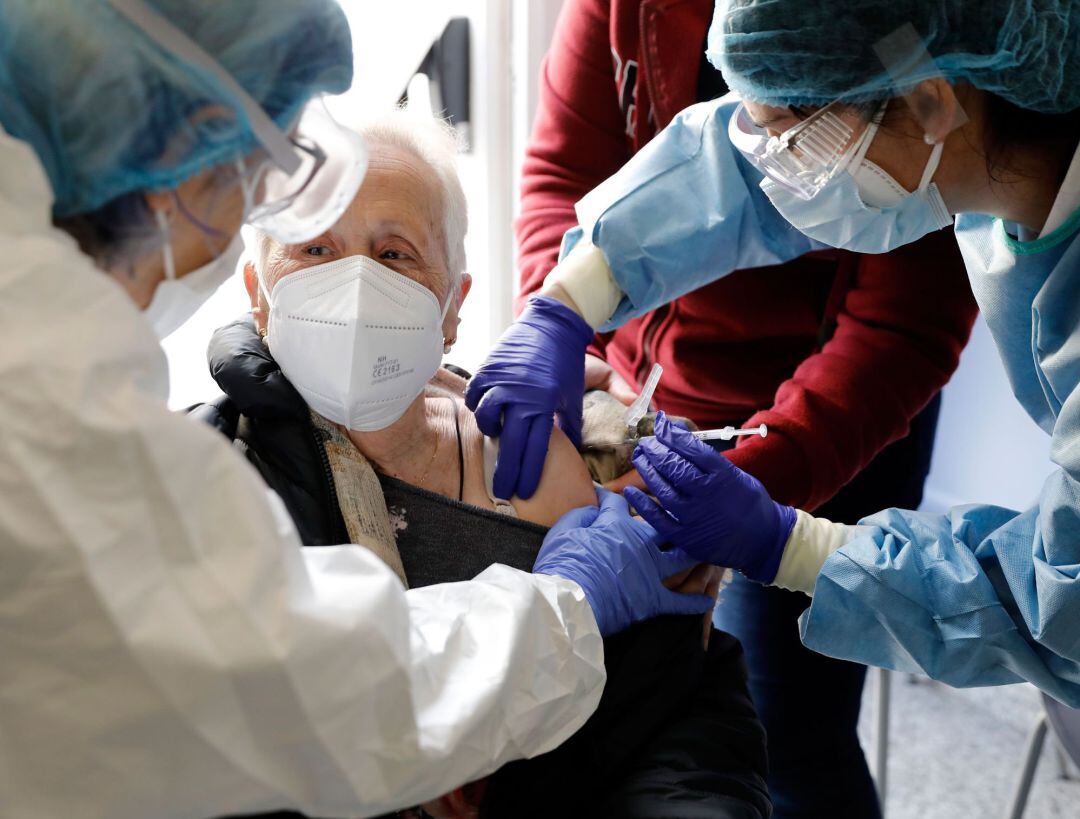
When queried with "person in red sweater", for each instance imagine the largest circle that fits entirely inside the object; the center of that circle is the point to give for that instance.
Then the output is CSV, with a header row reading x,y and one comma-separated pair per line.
x,y
810,348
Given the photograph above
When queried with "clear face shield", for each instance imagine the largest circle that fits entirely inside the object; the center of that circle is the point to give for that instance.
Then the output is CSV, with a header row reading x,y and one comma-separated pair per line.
x,y
299,204
295,185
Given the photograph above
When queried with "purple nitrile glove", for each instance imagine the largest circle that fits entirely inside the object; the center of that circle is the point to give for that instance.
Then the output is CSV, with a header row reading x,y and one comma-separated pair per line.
x,y
618,563
535,371
708,507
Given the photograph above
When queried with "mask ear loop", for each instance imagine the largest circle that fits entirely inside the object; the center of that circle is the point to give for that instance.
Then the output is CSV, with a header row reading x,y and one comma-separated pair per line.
x,y
455,286
931,166
867,138
449,298
167,257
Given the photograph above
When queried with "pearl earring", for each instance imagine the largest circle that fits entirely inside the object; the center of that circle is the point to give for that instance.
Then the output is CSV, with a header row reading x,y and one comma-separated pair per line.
x,y
448,344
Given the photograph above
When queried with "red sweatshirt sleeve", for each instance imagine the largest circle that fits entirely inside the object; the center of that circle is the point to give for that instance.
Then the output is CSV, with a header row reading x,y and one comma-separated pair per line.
x,y
898,340
578,137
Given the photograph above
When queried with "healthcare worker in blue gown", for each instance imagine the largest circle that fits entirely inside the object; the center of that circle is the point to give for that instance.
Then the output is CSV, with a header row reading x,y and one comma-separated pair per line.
x,y
865,125
167,648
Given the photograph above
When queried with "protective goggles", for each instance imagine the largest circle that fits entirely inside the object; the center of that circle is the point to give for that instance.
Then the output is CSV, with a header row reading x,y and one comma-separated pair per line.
x,y
297,185
296,205
808,155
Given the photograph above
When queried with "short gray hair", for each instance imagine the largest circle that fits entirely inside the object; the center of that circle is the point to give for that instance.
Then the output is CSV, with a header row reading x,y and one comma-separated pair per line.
x,y
435,143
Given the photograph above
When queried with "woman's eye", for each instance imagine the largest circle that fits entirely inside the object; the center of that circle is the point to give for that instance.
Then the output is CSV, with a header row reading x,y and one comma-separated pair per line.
x,y
392,255
317,250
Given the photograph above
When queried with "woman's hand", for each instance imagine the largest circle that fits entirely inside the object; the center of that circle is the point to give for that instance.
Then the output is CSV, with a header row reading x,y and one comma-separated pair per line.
x,y
701,579
599,375
632,478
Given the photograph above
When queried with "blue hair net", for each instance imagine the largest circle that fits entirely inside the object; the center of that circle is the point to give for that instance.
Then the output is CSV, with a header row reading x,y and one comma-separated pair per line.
x,y
795,52
108,111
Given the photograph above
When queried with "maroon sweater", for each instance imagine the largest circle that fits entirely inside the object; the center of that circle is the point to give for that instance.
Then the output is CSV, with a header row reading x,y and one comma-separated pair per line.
x,y
748,348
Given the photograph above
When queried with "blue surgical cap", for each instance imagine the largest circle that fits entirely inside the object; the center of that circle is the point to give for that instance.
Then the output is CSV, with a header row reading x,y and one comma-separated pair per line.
x,y
109,111
812,52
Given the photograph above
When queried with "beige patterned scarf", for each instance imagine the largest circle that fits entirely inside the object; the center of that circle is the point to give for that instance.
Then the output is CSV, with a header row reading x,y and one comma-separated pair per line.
x,y
360,495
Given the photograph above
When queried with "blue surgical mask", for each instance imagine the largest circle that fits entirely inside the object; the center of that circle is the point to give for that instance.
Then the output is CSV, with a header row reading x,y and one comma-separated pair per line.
x,y
864,209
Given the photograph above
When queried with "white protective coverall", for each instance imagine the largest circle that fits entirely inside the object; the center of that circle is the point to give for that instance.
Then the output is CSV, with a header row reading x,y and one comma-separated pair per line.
x,y
167,649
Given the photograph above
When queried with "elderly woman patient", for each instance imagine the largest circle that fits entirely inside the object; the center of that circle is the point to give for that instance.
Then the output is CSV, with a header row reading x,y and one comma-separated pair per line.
x,y
335,392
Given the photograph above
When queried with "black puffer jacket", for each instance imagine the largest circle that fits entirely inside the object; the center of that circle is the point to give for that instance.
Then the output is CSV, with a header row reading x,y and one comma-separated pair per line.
x,y
269,421
675,734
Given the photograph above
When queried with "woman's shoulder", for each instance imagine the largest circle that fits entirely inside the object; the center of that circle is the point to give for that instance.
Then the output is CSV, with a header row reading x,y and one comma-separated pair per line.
x,y
565,483
452,379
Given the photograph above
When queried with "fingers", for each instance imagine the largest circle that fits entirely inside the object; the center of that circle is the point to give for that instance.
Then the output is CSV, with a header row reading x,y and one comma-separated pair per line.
x,y
677,581
570,421
581,518
598,373
487,406
475,391
701,455
638,499
622,391
508,466
658,484
615,510
676,470
692,581
511,449
712,588
673,561
535,456
653,514
628,479
612,506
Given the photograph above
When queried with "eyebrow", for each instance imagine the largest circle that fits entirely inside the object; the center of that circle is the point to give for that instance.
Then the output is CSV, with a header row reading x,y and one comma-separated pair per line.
x,y
398,226
326,234
766,123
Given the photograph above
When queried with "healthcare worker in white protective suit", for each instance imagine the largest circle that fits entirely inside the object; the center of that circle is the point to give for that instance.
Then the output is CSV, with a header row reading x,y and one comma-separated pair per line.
x,y
166,647
864,124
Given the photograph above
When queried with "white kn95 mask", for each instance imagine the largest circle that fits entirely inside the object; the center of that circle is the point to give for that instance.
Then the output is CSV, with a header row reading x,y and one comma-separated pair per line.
x,y
358,340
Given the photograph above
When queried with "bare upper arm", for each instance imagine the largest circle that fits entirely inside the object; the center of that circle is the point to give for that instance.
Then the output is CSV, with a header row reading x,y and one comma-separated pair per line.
x,y
564,485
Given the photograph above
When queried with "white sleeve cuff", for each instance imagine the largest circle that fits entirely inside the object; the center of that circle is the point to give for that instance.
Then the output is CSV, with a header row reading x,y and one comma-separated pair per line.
x,y
585,276
811,542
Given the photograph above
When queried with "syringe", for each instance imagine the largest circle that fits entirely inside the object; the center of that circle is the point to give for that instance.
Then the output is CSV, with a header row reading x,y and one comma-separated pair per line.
x,y
727,433
721,434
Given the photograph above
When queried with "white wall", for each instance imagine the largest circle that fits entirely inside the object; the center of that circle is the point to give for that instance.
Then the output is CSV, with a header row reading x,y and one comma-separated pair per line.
x,y
988,450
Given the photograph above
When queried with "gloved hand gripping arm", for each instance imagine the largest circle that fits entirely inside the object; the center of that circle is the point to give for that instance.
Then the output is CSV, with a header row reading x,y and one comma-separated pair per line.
x,y
619,565
536,370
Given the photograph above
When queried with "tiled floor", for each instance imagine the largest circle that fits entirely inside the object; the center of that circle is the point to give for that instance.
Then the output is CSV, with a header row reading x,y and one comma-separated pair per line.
x,y
955,754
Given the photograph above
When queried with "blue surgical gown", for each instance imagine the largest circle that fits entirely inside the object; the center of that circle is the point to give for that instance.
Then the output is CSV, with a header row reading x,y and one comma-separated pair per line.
x,y
981,595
